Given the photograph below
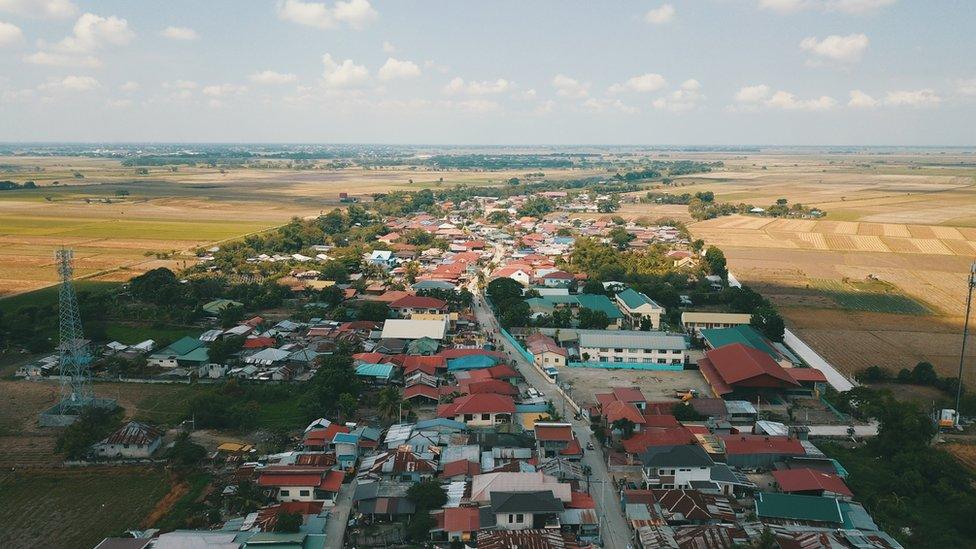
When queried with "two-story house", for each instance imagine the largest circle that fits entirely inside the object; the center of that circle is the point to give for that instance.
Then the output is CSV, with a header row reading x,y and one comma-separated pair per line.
x,y
675,466
479,409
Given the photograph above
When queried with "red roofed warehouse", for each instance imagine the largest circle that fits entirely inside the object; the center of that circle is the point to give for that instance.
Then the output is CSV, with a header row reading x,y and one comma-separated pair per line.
x,y
741,369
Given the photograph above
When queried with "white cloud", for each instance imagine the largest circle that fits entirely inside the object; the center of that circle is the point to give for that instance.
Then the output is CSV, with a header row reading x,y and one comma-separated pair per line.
x,y
526,95
119,103
752,94
71,83
10,34
570,87
604,105
394,68
130,86
343,75
272,77
433,65
355,13
685,98
179,33
754,97
966,86
545,107
39,8
388,48
223,90
11,96
861,100
789,102
181,85
644,83
660,15
912,98
844,49
61,60
853,7
92,32
484,87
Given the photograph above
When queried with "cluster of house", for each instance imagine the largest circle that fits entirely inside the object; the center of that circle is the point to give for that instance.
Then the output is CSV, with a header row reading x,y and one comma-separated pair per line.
x,y
722,481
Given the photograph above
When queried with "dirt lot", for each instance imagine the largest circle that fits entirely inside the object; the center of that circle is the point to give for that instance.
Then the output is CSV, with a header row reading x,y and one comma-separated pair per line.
x,y
586,382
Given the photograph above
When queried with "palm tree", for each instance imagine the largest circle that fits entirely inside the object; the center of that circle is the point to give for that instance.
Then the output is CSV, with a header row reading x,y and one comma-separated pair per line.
x,y
388,403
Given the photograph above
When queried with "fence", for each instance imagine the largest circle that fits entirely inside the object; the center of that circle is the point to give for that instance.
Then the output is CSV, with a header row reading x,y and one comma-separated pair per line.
x,y
518,346
628,366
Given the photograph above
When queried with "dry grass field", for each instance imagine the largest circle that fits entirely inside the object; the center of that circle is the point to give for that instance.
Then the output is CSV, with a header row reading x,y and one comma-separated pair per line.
x,y
172,213
881,279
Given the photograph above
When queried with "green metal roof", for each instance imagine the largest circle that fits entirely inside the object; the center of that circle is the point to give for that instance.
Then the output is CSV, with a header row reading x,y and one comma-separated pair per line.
x,y
383,371
796,507
634,299
182,346
746,335
597,302
200,354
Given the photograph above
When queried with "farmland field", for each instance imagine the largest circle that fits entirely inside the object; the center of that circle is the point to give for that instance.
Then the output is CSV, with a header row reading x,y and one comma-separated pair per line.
x,y
880,280
75,507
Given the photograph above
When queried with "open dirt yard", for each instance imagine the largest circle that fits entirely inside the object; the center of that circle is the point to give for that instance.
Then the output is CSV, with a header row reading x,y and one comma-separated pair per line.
x,y
586,382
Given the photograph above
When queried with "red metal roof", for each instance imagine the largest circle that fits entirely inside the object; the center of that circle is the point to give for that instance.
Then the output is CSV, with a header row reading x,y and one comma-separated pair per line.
x,y
290,479
554,432
461,467
420,390
741,365
259,342
806,480
496,386
807,374
318,437
332,482
480,403
581,500
640,442
418,302
461,519
426,364
134,432
759,444
502,371
619,409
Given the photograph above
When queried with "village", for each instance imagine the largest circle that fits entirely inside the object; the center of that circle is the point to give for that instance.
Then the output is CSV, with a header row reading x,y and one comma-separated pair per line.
x,y
502,394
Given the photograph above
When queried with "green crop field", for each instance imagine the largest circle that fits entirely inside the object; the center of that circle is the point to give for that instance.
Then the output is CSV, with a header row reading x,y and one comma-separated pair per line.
x,y
49,296
876,297
75,507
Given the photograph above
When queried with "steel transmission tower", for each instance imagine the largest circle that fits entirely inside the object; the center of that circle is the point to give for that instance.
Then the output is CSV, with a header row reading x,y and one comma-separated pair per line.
x,y
74,355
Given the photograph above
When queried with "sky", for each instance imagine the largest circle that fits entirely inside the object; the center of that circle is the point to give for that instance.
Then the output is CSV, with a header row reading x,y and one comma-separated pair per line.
x,y
694,72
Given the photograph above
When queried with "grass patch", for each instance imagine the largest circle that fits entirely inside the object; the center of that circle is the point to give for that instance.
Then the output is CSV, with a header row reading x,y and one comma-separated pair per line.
x,y
130,334
49,296
874,296
75,507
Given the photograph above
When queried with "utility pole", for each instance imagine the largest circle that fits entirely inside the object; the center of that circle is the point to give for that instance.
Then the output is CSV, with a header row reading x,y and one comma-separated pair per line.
x,y
965,335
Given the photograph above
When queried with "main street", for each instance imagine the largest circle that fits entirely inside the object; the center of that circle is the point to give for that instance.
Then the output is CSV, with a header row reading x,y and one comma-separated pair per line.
x,y
614,529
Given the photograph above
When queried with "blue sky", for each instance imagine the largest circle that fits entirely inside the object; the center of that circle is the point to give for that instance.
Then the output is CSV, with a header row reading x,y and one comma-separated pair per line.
x,y
789,72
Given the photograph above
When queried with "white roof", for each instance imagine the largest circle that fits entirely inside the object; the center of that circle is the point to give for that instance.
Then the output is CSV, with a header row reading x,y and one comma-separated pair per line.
x,y
399,328
715,318
483,485
267,356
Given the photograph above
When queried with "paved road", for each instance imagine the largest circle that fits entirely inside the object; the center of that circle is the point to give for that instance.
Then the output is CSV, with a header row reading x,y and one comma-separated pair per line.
x,y
616,533
335,528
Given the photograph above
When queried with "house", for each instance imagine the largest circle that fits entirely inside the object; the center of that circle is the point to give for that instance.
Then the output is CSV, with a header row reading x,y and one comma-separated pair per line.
x,y
300,483
456,523
812,510
671,467
410,305
526,510
759,451
384,498
545,351
695,321
479,410
133,440
187,351
556,279
485,484
638,309
811,482
399,464
519,273
414,329
555,440
633,349
382,258
740,369
376,374
217,306
543,538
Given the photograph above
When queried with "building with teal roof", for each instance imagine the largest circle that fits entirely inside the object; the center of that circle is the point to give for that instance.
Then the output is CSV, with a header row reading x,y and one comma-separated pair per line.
x,y
746,335
595,302
187,351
